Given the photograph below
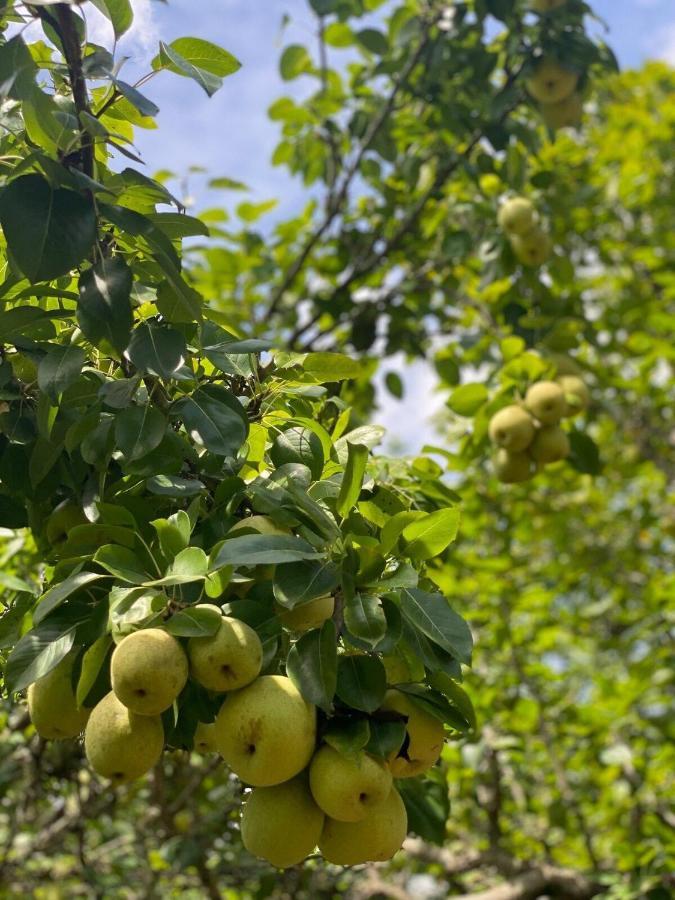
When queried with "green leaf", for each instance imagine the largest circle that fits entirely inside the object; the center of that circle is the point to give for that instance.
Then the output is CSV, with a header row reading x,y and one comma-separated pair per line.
x,y
59,369
584,455
122,563
173,533
295,60
195,58
352,480
104,307
138,430
48,230
179,307
119,12
337,34
365,618
189,565
385,737
262,550
429,536
312,665
55,596
159,351
348,736
428,807
174,486
216,417
195,622
37,653
468,399
92,663
300,582
299,445
432,615
394,384
373,40
361,682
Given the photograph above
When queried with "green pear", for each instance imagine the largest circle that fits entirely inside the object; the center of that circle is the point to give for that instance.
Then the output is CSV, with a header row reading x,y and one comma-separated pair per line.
x,y
204,740
120,744
577,395
533,248
425,733
512,428
550,445
266,732
227,660
551,82
282,824
517,216
348,788
148,670
52,705
307,615
566,113
545,6
546,401
374,839
512,468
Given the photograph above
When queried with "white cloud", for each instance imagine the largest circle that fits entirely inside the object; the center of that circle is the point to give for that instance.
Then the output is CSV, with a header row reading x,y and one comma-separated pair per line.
x,y
141,37
665,48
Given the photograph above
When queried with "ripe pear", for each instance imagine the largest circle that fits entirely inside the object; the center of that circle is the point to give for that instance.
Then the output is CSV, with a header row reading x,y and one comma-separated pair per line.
x,y
532,249
565,114
227,660
308,615
577,395
512,428
52,705
266,732
546,401
348,788
204,740
282,824
374,839
148,670
550,445
517,216
545,6
551,82
425,736
512,468
120,744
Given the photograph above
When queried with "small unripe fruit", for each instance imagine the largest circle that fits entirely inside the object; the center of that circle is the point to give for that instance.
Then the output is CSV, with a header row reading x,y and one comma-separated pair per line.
x,y
512,468
490,184
512,428
565,114
306,616
577,395
204,740
517,216
551,82
546,401
550,445
532,249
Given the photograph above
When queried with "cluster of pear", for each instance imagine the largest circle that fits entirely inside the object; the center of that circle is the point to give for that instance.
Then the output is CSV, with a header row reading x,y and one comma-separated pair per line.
x,y
553,85
519,220
529,436
305,793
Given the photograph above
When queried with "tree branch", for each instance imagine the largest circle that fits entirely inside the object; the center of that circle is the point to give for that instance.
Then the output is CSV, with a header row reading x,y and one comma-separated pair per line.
x,y
544,880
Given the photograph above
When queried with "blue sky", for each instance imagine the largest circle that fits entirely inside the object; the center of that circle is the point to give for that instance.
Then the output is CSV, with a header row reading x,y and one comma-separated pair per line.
x,y
230,135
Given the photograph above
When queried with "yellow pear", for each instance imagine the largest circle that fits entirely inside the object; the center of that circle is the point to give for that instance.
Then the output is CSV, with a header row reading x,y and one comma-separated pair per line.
x,y
348,788
545,6
546,401
374,839
52,705
120,744
517,216
148,670
512,428
308,615
425,736
551,82
512,468
577,395
550,445
566,113
533,248
227,660
204,740
281,824
266,732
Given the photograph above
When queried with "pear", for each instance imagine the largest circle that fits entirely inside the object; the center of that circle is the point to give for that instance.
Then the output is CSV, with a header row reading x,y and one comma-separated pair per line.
x,y
545,6
227,660
517,216
266,732
148,670
550,445
120,744
565,114
512,468
204,740
52,705
348,788
512,428
374,839
307,615
551,82
282,824
546,401
533,248
577,395
425,736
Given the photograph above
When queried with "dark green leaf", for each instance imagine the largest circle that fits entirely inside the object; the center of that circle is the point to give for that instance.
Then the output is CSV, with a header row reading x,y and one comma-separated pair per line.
x,y
261,550
138,430
199,621
59,369
361,682
55,596
159,351
432,615
216,417
428,807
300,582
352,480
365,619
312,665
104,307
